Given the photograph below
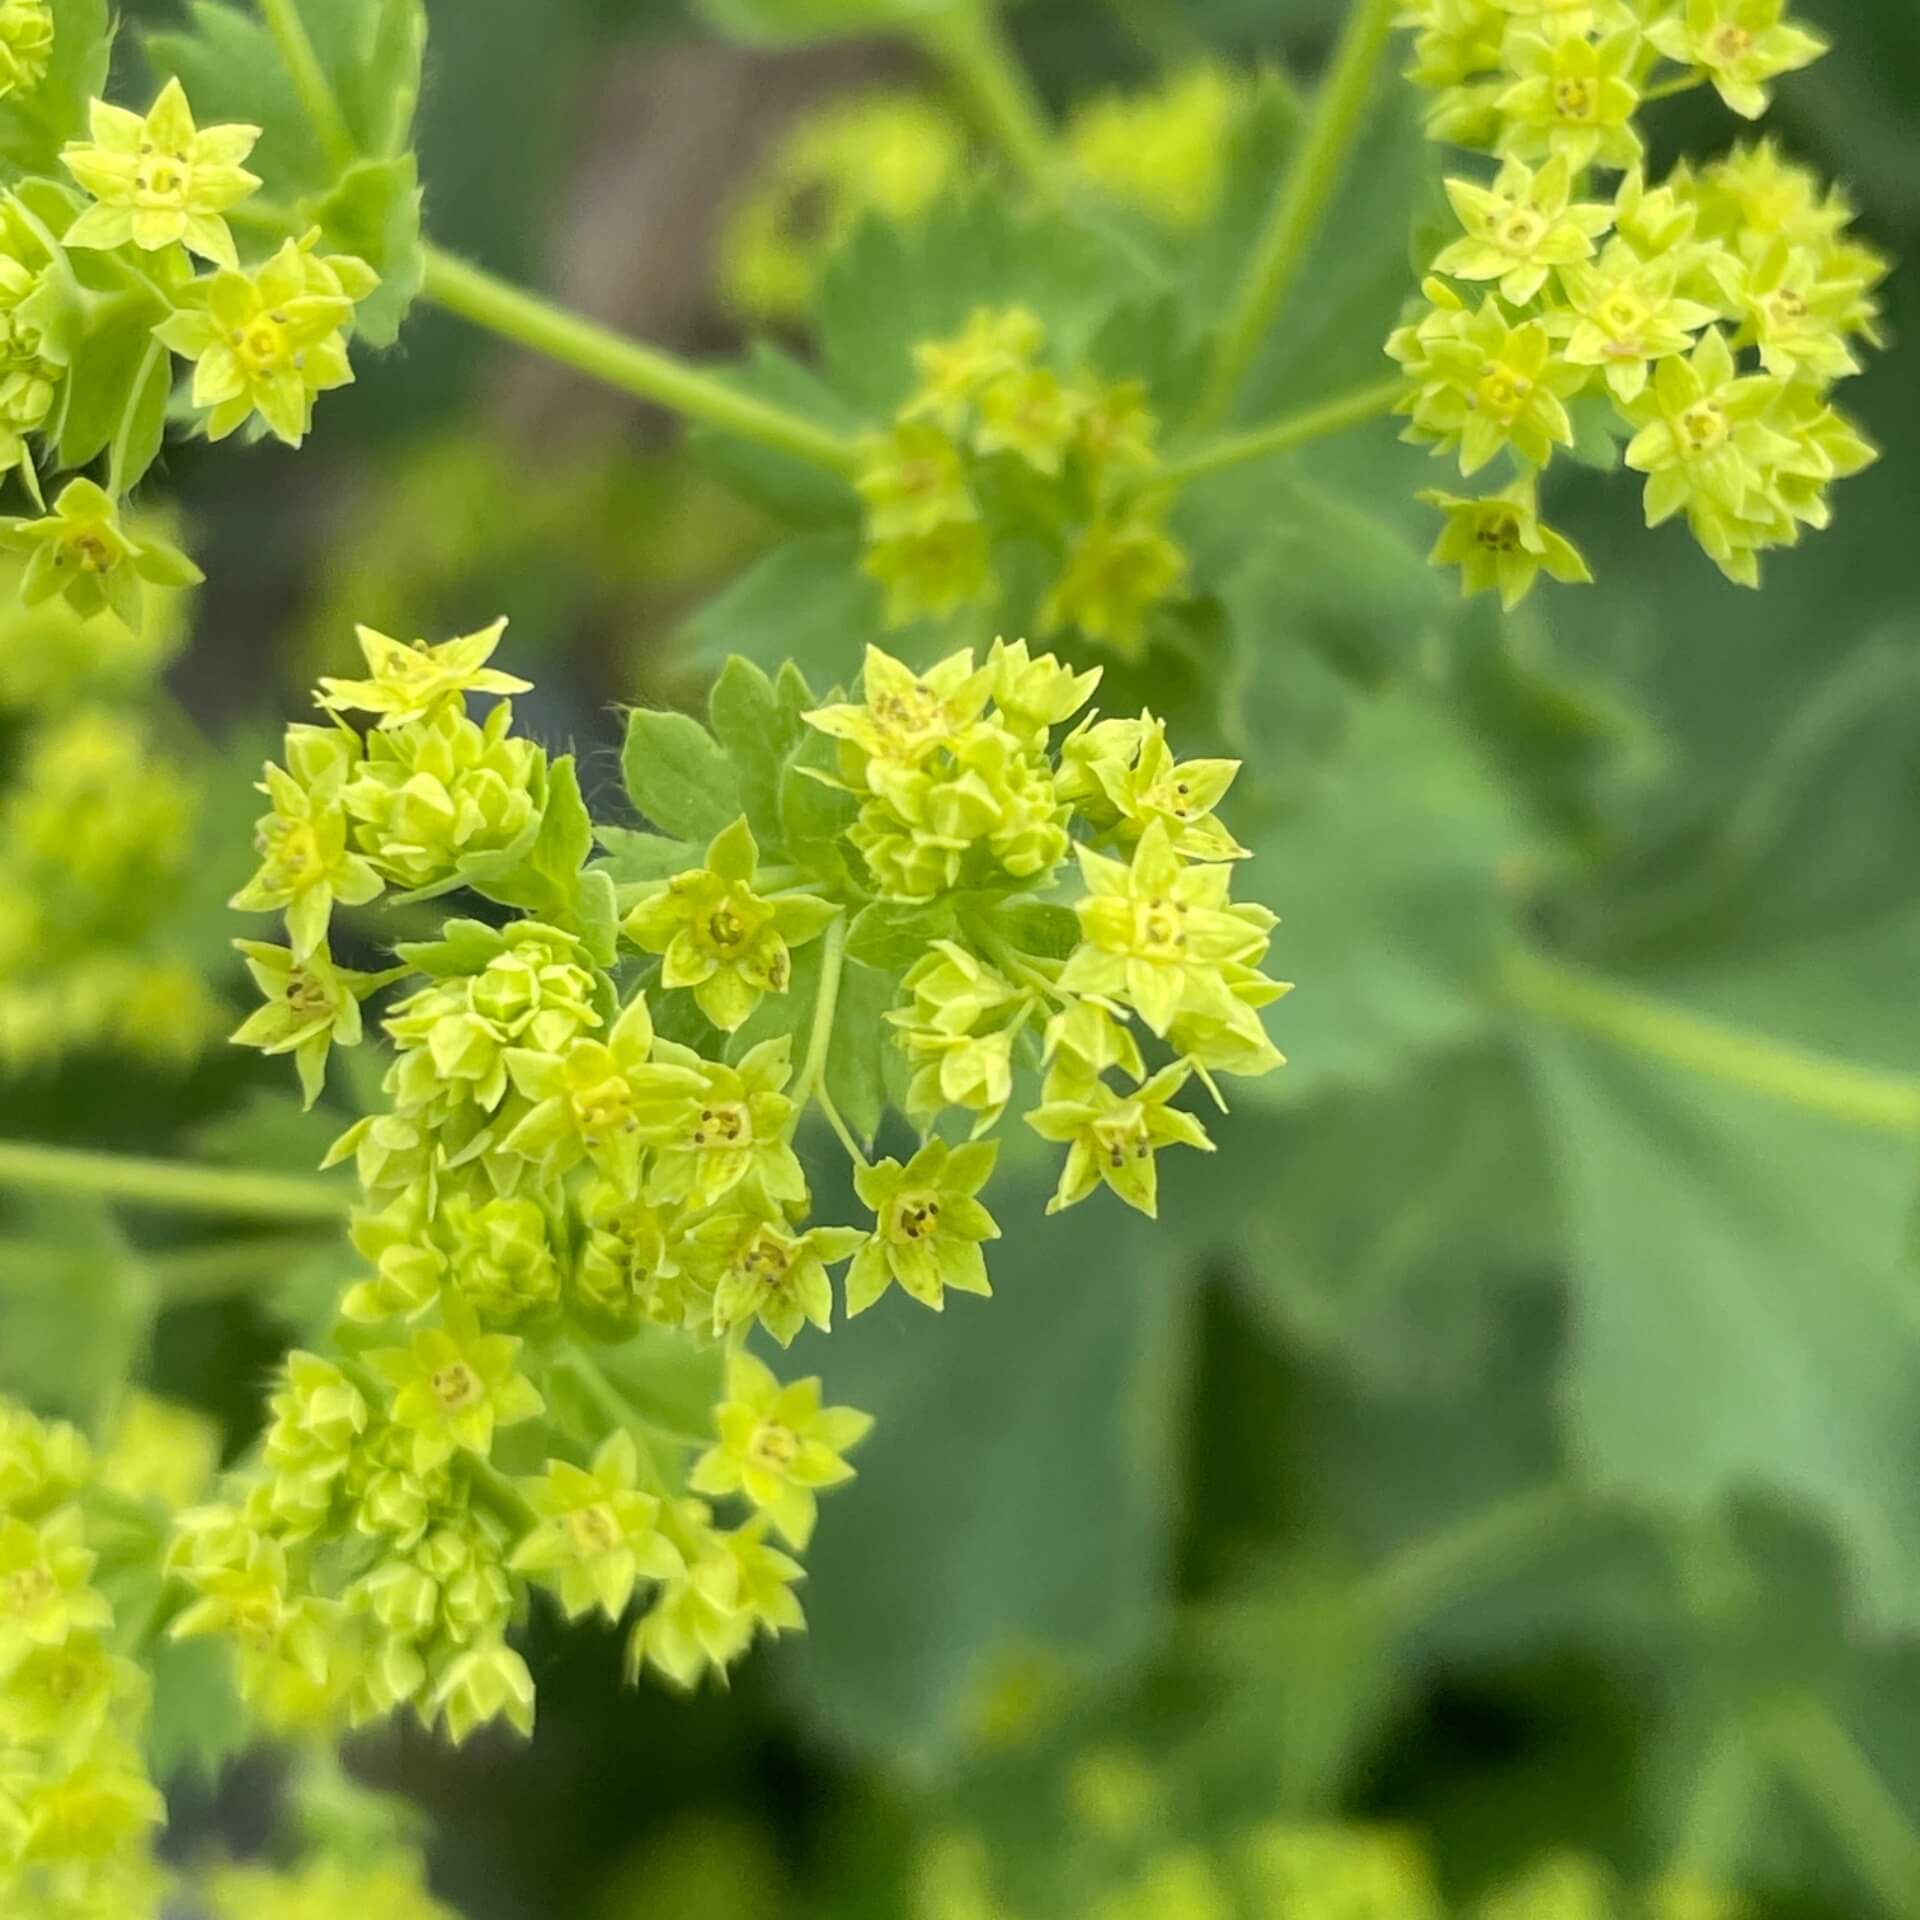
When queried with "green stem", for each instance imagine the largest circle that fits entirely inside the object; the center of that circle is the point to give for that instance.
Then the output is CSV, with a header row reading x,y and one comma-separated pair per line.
x,y
833,962
123,437
1354,409
505,1498
220,1272
619,1411
1017,966
310,82
645,372
171,1184
1681,83
1301,205
1755,1062
971,44
1821,1758
1419,1580
824,1101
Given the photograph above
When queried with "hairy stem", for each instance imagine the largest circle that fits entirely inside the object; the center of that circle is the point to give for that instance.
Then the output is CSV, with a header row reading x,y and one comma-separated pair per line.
x,y
971,44
627,365
1353,409
1755,1062
171,1184
310,82
833,963
1821,1758
1305,192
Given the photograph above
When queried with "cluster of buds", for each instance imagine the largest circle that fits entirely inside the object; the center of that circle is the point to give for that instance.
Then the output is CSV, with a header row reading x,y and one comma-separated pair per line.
x,y
96,833
996,443
145,197
587,1161
77,1807
1704,319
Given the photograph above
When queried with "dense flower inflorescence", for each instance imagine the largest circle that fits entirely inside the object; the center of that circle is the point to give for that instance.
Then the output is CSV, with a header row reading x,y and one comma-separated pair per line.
x,y
588,1156
78,1809
1704,319
995,441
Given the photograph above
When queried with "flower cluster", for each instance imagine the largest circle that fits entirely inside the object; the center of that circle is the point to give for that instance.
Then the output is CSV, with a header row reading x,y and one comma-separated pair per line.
x,y
587,1160
1704,319
995,442
962,793
1163,150
146,195
77,1806
96,834
1126,1859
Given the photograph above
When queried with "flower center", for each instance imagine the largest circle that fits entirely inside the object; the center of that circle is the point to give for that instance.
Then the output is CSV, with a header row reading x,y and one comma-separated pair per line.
x,y
916,1216
1122,1138
1503,392
292,849
1623,314
164,183
1704,427
306,995
766,1257
1574,99
456,1386
1498,532
726,1125
725,928
28,1590
1522,230
92,550
1786,307
263,343
914,718
773,1446
604,1109
257,1621
1731,42
593,1529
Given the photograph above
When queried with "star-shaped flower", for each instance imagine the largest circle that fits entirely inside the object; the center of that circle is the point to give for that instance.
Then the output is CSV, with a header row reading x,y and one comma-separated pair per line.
x,y
409,681
157,178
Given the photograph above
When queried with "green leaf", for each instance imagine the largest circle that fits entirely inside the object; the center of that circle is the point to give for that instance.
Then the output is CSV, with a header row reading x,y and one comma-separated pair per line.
x,y
635,858
109,369
677,775
855,1077
197,1723
806,600
789,22
1390,876
892,937
1380,1229
34,126
1035,927
76,1309
1744,1305
926,1569
143,428
374,212
758,731
380,91
814,817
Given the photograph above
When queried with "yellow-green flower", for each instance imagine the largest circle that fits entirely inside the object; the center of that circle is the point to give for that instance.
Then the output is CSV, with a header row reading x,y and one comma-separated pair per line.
x,y
1114,1138
1796,317
954,373
408,681
305,862
1478,382
454,1386
1032,415
1521,228
1152,785
28,379
779,1446
1036,694
597,1100
904,717
1500,543
727,1128
932,574
928,1225
758,1270
484,1684
1623,314
1707,449
1739,44
45,1567
1573,97
1163,150
1158,932
156,178
83,552
312,1005
914,481
722,939
26,44
598,1535
1123,567
268,342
